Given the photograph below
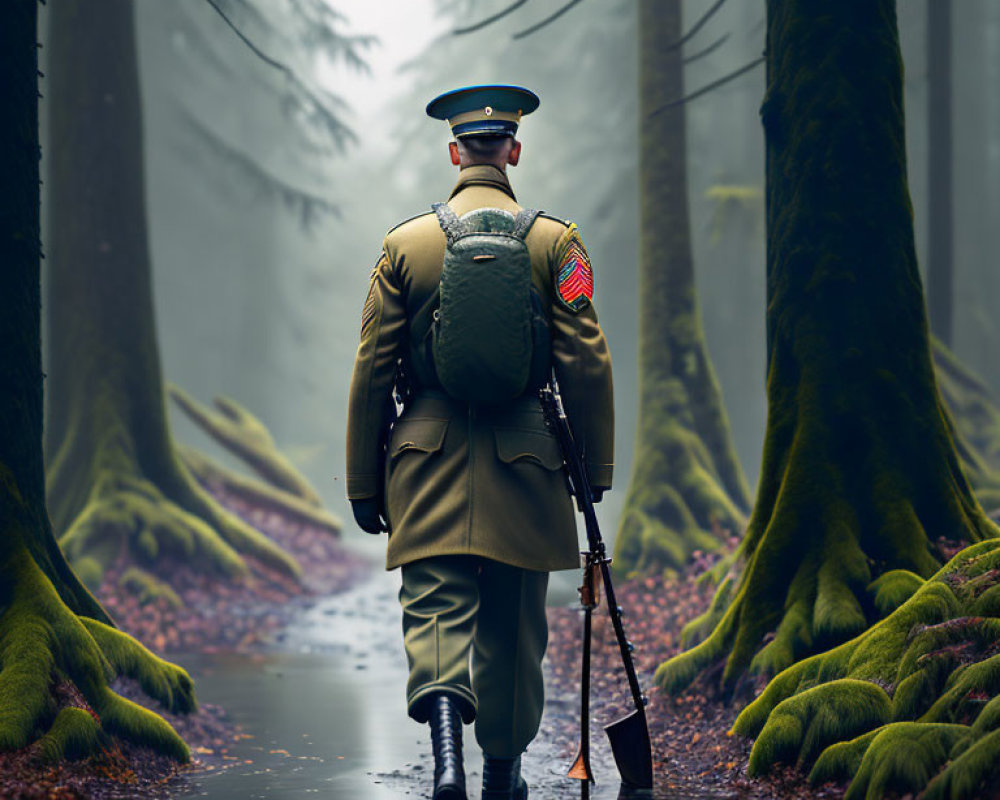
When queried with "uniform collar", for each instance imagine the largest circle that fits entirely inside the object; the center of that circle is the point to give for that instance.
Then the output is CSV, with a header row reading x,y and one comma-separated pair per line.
x,y
483,175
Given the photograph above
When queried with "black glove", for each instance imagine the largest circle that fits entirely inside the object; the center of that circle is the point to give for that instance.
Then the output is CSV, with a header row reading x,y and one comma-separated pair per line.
x,y
597,493
366,514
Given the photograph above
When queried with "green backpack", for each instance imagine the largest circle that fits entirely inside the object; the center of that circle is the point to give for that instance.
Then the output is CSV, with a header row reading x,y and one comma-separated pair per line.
x,y
489,337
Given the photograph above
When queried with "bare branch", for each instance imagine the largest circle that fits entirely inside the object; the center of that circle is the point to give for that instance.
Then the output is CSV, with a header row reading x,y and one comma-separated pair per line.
x,y
311,206
706,51
256,50
697,26
490,20
706,89
320,25
316,110
551,18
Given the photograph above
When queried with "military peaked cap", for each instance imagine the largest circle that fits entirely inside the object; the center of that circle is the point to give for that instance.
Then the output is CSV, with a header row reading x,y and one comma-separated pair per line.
x,y
483,110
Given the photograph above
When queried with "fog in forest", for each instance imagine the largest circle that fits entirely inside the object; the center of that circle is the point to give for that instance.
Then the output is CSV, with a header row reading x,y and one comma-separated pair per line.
x,y
216,181
262,241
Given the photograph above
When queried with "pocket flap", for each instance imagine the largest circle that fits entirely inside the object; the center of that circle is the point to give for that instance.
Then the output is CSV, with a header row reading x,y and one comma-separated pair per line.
x,y
516,444
424,434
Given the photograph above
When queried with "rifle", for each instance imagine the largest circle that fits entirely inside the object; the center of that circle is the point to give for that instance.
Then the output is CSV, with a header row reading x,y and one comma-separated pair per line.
x,y
629,736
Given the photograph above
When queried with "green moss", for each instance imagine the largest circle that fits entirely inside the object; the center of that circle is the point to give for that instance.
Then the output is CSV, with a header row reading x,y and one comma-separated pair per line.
x,y
875,656
902,758
678,672
891,589
966,691
74,733
988,719
934,643
841,760
698,628
41,638
260,494
675,504
242,433
126,512
972,775
976,420
89,571
860,474
166,683
987,604
933,658
802,726
148,588
687,487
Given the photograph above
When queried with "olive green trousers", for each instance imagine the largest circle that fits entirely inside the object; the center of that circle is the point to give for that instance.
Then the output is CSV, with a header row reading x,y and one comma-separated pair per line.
x,y
458,609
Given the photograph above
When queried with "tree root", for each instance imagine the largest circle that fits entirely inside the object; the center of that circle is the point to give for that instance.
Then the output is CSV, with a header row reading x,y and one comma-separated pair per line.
x,y
127,513
911,704
209,474
41,639
243,434
807,587
148,588
676,505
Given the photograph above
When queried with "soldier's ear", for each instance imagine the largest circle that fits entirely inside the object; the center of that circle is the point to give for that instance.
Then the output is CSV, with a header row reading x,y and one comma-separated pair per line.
x,y
514,155
453,149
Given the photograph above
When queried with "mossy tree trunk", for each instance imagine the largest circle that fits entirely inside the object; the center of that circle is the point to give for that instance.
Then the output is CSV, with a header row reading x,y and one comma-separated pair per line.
x,y
116,484
860,475
940,198
977,424
687,482
51,628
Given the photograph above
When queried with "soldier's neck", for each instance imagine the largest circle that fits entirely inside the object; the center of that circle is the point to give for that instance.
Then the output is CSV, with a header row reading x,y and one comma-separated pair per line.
x,y
498,166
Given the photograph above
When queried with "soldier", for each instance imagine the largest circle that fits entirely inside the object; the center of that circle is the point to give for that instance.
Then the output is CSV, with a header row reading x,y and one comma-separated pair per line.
x,y
469,484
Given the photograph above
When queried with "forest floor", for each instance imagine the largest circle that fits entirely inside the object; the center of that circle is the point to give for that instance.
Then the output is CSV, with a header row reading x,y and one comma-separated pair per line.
x,y
215,615
694,757
693,754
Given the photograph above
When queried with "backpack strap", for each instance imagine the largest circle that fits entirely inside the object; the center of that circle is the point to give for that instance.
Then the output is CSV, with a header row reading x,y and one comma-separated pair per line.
x,y
452,226
523,221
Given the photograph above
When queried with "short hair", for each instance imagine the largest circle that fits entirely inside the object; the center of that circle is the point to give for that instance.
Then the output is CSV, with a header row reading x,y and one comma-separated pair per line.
x,y
485,146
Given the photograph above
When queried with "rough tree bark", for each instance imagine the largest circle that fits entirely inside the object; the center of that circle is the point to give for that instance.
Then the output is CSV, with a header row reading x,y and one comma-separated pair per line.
x,y
860,475
51,629
940,252
977,424
115,482
687,482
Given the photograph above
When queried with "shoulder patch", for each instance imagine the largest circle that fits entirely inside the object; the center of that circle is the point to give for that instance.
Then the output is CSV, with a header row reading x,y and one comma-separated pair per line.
x,y
368,313
574,275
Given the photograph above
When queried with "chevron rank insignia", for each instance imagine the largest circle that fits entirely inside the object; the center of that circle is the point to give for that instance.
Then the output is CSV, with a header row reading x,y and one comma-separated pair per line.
x,y
575,279
368,313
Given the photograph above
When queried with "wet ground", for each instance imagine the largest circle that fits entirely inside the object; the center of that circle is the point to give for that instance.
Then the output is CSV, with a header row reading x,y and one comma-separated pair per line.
x,y
323,714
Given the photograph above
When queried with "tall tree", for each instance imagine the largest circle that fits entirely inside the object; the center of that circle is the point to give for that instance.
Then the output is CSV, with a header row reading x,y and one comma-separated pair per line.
x,y
686,477
51,629
235,143
115,481
940,213
860,475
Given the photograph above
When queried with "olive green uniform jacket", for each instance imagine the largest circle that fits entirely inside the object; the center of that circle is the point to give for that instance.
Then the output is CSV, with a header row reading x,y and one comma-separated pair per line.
x,y
462,479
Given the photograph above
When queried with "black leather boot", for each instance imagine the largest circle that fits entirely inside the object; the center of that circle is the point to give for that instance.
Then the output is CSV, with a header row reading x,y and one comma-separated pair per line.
x,y
502,779
446,741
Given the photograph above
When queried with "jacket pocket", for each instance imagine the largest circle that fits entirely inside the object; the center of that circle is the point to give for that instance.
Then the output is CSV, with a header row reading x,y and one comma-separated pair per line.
x,y
520,444
425,435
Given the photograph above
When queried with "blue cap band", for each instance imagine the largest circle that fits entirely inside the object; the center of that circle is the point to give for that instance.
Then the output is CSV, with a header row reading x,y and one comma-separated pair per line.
x,y
486,127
